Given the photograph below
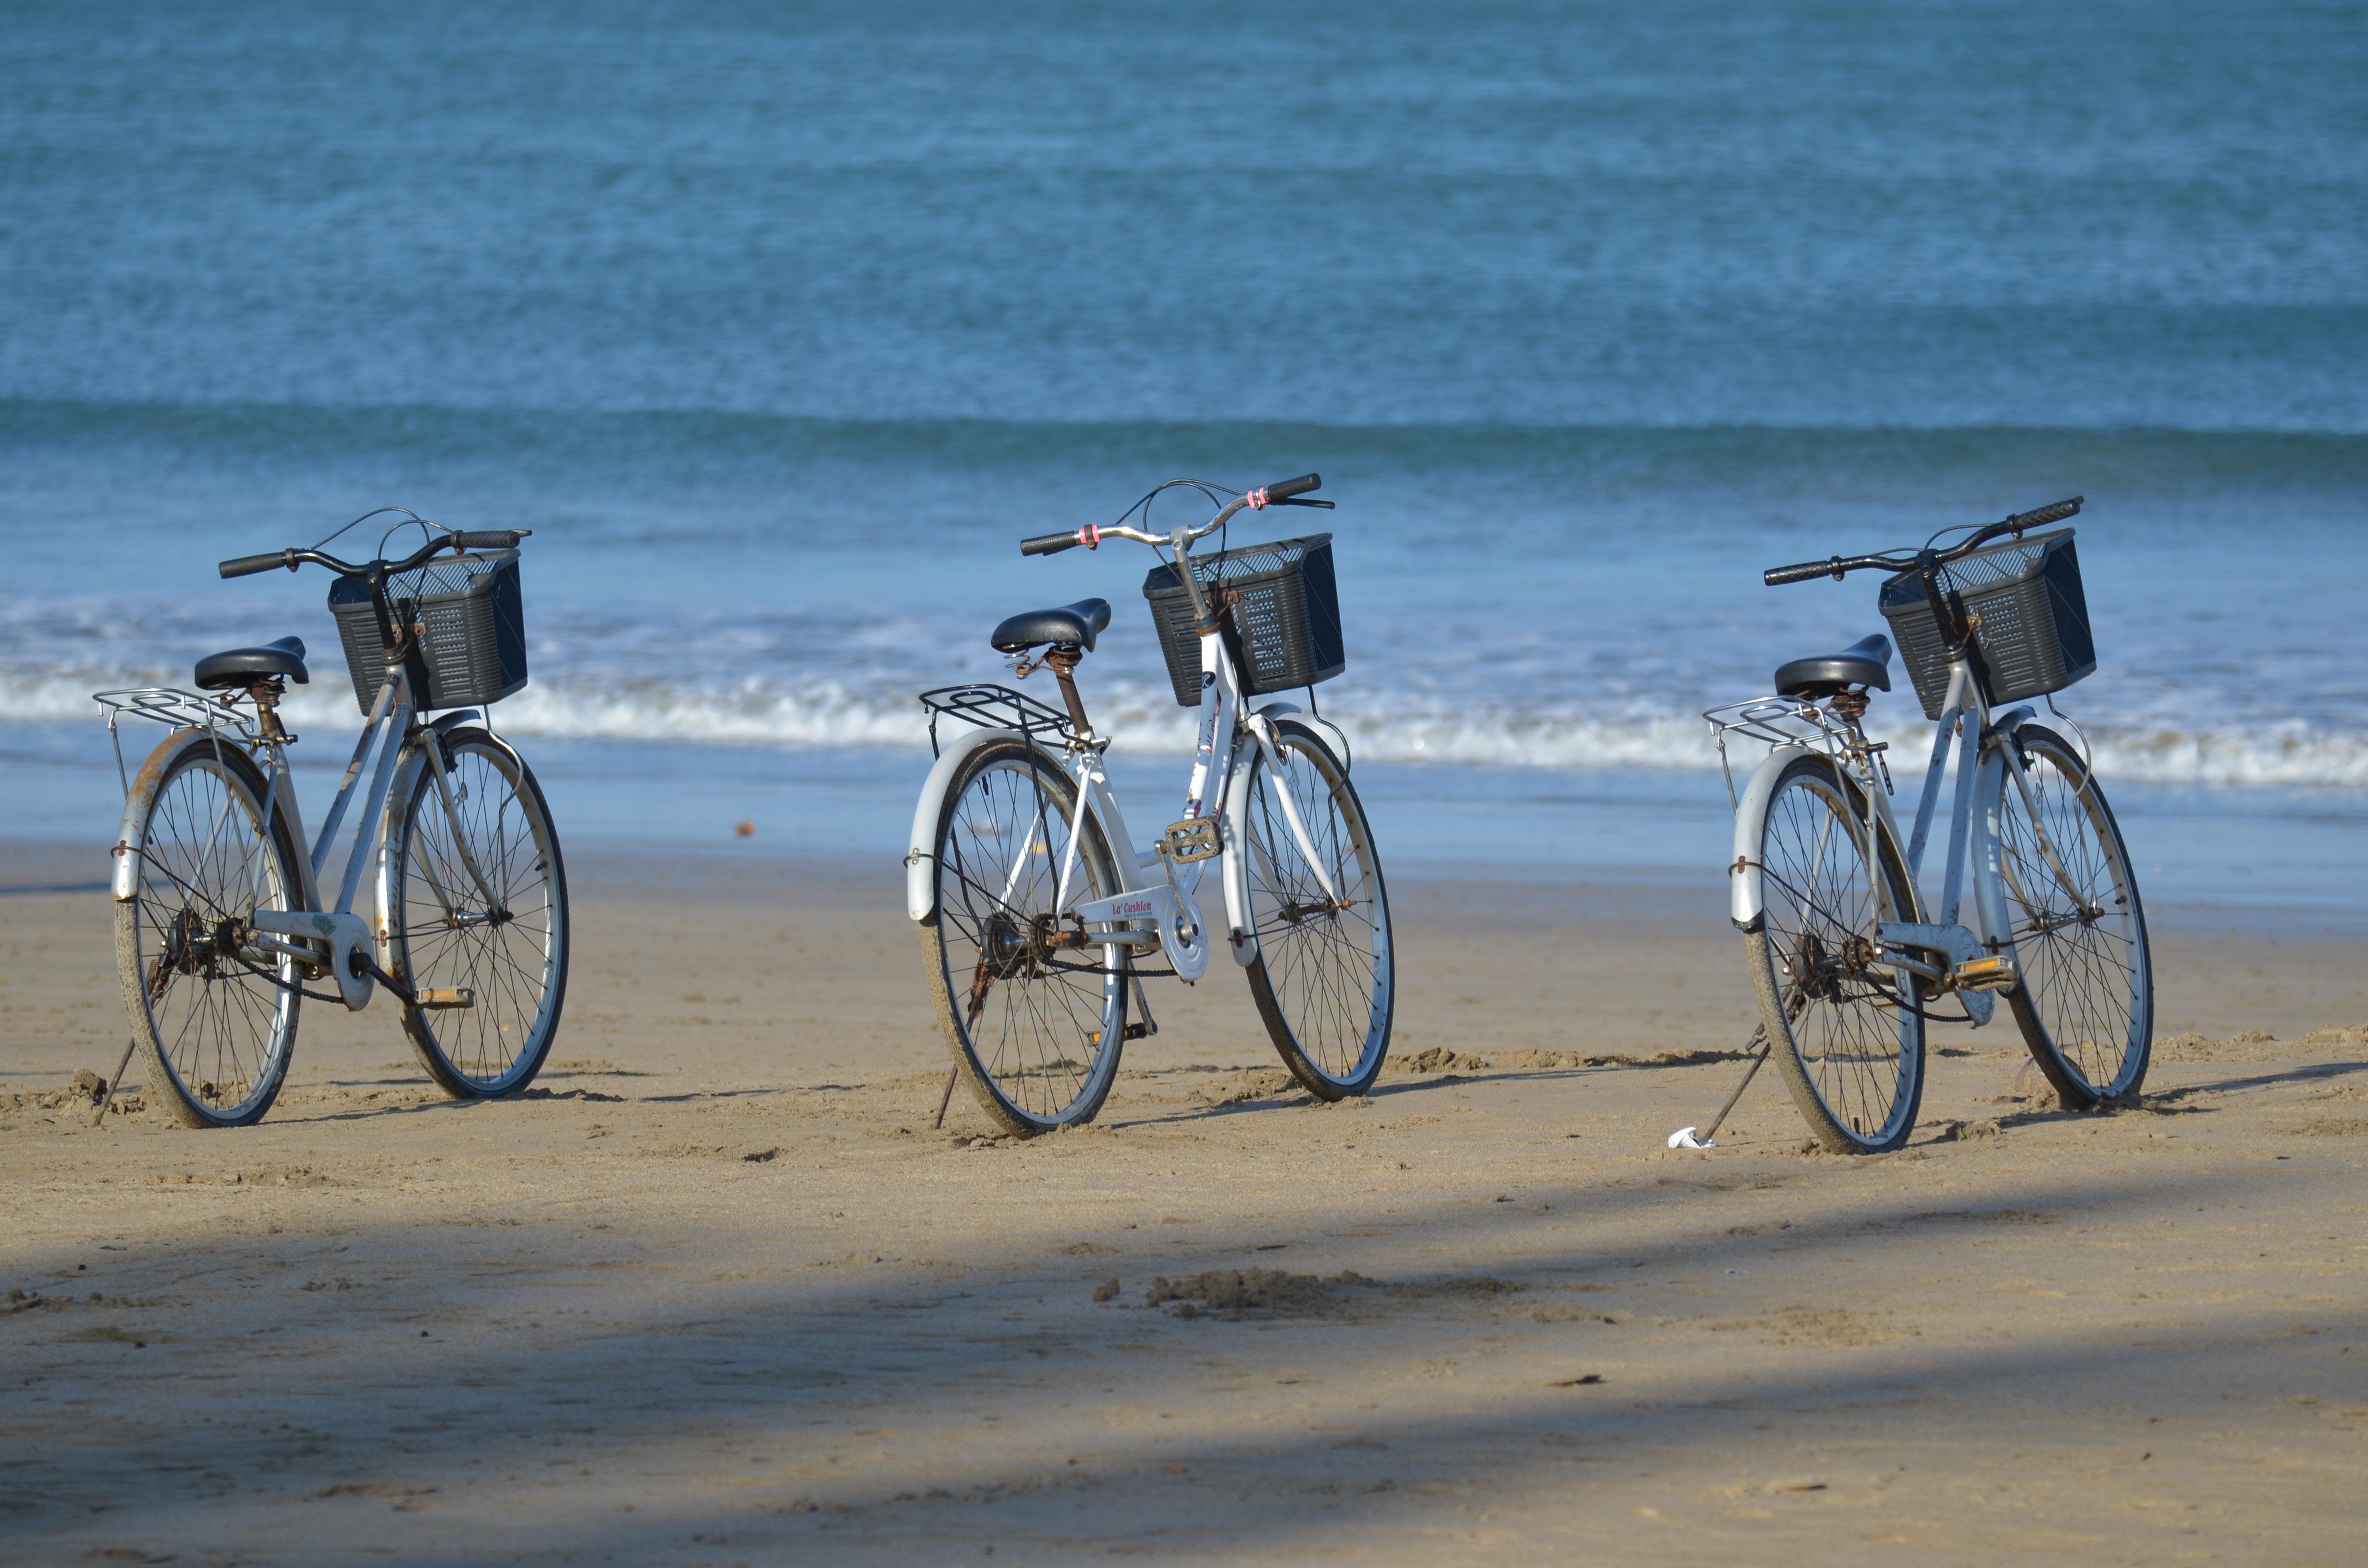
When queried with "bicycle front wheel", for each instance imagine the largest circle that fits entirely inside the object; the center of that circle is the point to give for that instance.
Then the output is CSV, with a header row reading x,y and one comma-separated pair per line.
x,y
2085,1001
1847,1030
1326,978
1035,1019
476,905
212,1008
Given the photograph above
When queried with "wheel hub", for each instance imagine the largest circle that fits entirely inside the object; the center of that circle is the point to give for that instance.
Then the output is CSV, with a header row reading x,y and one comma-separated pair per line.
x,y
1820,971
1007,947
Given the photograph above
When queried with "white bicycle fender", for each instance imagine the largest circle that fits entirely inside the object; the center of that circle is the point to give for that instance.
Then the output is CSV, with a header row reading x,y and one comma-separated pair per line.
x,y
128,840
1745,904
920,880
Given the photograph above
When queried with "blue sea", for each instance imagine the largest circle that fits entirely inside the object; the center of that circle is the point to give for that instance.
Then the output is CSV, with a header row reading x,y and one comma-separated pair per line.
x,y
781,325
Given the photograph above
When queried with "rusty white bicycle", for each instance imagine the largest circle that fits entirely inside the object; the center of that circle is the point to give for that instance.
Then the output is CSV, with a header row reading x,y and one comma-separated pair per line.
x,y
220,928
1846,957
1039,918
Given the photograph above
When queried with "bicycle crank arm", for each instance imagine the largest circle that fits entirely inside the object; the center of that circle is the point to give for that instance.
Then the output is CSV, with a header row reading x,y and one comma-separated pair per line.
x,y
348,939
1190,957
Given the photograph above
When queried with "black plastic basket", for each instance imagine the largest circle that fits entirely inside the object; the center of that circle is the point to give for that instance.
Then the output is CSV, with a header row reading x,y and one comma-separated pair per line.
x,y
472,649
1284,626
2031,627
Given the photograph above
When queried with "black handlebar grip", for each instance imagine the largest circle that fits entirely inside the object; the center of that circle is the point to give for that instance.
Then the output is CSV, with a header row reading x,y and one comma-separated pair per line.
x,y
1051,544
248,565
1777,577
1290,487
491,538
2039,516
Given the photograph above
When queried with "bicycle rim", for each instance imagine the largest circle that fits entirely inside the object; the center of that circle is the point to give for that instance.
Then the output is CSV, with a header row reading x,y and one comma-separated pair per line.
x,y
213,1011
1035,1026
1324,979
1845,1028
2086,998
502,945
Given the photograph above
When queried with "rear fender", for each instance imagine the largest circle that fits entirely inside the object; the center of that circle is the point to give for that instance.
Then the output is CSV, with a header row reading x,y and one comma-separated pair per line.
x,y
130,837
1746,905
921,851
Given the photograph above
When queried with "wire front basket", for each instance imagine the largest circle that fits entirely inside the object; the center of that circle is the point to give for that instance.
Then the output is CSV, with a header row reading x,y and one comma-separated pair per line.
x,y
473,629
2029,613
1282,609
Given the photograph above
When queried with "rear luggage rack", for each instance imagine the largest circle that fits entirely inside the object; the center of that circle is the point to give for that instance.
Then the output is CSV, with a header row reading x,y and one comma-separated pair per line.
x,y
997,707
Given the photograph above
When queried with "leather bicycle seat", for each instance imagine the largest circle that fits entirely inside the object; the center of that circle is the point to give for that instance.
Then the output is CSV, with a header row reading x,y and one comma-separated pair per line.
x,y
1075,624
244,667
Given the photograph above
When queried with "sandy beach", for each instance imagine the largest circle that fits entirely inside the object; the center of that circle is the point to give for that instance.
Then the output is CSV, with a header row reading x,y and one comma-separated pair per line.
x,y
716,1291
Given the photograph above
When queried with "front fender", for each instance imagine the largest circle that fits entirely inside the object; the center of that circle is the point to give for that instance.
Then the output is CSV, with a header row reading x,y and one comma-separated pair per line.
x,y
410,770
920,854
1241,925
1745,903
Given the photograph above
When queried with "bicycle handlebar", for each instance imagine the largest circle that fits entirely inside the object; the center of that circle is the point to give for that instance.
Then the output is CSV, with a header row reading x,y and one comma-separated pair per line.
x,y
248,565
1900,561
1284,492
480,539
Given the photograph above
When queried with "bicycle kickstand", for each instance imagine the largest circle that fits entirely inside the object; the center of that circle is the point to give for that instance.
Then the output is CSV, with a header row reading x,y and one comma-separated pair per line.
x,y
107,1096
1686,1137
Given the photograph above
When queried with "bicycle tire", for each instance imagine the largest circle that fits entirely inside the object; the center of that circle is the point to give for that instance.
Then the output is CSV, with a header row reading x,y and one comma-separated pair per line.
x,y
1848,1041
511,959
1324,979
2084,998
216,1027
1036,1030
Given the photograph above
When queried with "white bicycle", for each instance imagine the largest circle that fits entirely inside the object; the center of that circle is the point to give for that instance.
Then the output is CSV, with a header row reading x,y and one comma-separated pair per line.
x,y
221,929
1037,911
1844,954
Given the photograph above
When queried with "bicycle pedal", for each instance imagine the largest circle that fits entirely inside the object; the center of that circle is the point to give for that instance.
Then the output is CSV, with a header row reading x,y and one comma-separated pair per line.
x,y
1993,974
1138,1030
465,997
1194,838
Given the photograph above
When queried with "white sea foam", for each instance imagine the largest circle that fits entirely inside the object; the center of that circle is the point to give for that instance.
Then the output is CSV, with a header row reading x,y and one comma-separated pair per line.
x,y
830,713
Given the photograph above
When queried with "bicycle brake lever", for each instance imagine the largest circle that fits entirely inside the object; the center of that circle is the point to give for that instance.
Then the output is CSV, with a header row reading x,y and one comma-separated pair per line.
x,y
1300,500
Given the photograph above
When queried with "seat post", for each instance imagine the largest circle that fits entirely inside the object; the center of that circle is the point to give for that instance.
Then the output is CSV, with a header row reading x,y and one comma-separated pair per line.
x,y
1063,657
266,694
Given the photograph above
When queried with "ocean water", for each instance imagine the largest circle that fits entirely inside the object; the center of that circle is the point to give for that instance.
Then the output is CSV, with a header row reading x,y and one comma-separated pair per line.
x,y
781,325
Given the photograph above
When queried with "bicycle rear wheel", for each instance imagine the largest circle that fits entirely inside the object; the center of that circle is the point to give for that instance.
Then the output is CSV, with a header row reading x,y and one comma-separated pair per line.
x,y
1326,978
213,1009
1847,1030
2085,1001
490,943
1035,1020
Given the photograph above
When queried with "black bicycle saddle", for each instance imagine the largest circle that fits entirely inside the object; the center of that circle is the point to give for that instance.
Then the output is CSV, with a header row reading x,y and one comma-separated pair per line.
x,y
1075,624
1866,662
244,667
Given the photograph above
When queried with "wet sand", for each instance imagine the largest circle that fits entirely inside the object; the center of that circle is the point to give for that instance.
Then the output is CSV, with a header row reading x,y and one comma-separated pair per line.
x,y
716,1293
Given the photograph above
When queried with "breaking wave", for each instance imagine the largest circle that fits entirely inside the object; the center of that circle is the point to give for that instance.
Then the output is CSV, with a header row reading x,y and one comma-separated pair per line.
x,y
1143,718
